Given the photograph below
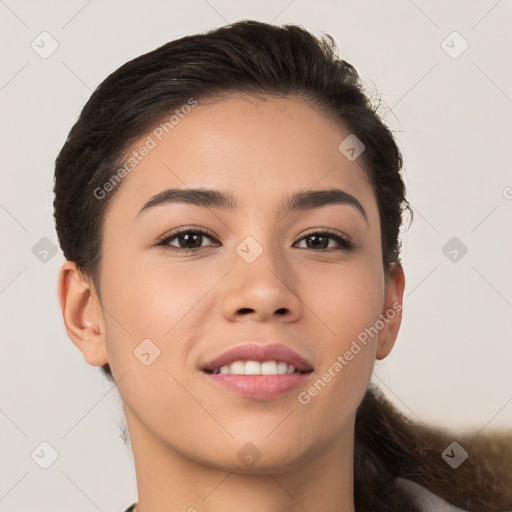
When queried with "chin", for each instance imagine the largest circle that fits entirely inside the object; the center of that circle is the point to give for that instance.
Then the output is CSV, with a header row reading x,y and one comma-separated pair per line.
x,y
259,456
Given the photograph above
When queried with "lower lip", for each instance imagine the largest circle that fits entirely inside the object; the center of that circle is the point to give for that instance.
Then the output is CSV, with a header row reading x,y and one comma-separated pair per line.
x,y
258,387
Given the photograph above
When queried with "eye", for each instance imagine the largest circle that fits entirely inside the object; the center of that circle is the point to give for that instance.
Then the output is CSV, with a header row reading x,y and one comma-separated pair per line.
x,y
188,240
318,239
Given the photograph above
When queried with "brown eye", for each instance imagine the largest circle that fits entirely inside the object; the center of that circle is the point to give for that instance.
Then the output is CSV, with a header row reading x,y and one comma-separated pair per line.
x,y
320,240
186,240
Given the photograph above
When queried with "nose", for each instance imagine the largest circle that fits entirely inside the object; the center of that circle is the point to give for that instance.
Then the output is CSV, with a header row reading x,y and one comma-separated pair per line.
x,y
264,290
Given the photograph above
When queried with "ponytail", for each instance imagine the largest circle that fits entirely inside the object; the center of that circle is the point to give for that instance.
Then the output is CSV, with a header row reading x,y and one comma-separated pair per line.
x,y
389,446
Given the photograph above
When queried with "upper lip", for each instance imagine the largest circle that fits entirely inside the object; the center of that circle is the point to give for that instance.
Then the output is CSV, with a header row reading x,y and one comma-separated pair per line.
x,y
260,353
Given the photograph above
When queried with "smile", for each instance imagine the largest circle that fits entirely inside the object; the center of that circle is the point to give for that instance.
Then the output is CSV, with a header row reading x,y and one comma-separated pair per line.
x,y
255,368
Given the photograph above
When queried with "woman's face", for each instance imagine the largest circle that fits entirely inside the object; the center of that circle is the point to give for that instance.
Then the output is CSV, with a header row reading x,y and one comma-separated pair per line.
x,y
259,276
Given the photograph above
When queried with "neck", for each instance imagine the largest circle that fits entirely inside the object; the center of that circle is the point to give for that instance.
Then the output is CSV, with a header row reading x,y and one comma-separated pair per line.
x,y
167,481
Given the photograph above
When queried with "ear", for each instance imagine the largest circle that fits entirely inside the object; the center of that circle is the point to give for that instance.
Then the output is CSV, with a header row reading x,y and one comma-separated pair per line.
x,y
82,313
392,311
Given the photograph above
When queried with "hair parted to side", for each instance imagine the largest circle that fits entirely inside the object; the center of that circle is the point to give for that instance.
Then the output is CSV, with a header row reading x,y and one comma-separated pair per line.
x,y
255,58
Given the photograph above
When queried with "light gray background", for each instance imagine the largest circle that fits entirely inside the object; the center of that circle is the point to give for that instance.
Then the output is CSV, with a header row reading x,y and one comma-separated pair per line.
x,y
452,118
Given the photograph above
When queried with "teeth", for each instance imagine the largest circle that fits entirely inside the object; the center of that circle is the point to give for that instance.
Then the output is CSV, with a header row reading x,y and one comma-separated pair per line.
x,y
269,368
253,368
237,367
282,367
256,368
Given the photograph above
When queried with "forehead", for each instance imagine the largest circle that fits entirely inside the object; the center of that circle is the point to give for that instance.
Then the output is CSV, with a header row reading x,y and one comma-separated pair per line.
x,y
258,148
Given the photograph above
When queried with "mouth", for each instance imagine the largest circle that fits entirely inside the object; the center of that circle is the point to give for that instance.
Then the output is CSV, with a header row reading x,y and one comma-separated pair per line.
x,y
258,372
256,359
242,367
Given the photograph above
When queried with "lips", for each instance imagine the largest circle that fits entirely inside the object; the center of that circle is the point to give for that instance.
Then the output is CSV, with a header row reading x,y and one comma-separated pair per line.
x,y
259,353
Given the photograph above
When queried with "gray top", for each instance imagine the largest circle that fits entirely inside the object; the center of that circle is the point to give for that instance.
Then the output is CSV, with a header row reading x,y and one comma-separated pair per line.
x,y
425,499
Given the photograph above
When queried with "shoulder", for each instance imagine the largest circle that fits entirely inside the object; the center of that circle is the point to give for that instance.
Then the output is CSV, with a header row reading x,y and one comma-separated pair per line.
x,y
425,499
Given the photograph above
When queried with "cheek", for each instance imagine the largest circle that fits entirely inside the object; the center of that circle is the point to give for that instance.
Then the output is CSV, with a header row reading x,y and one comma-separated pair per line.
x,y
145,298
345,302
147,328
163,305
346,307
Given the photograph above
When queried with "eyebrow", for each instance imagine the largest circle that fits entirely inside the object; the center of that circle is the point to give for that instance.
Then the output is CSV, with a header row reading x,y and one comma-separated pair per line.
x,y
206,198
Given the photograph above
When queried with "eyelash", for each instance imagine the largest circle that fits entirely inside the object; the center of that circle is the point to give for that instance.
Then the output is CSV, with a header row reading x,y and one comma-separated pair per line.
x,y
343,240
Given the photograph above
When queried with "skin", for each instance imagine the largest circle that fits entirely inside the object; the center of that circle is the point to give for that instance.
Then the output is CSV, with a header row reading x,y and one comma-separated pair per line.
x,y
186,432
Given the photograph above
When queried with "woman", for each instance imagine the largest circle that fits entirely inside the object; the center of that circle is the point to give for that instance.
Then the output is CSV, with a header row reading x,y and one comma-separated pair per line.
x,y
229,207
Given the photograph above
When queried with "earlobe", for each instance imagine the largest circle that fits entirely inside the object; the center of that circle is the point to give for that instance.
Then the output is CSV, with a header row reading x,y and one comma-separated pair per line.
x,y
82,314
392,311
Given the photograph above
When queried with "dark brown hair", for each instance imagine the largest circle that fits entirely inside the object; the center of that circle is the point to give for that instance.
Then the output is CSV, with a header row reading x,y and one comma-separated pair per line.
x,y
255,58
